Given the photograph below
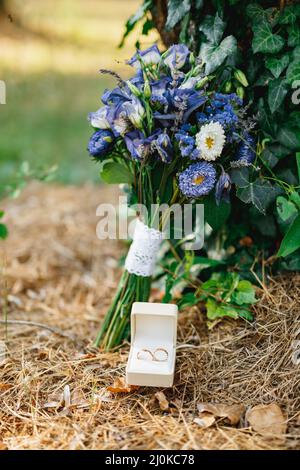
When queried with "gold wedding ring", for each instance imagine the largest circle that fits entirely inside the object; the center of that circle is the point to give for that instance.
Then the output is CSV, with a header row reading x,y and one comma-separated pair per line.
x,y
144,351
158,358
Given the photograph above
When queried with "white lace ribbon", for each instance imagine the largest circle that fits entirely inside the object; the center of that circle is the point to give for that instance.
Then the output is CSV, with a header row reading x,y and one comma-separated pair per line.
x,y
143,251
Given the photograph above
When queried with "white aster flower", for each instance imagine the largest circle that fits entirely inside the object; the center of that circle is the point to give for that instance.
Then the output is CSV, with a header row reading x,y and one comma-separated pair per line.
x,y
210,141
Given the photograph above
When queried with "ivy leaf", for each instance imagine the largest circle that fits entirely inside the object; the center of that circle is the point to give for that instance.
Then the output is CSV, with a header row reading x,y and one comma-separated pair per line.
x,y
264,40
276,93
213,28
277,66
213,56
298,164
291,241
255,12
288,15
240,177
294,35
288,137
260,193
112,172
215,215
293,72
177,9
286,209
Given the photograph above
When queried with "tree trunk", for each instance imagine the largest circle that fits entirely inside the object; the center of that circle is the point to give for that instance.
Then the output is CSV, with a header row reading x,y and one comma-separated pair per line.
x,y
159,13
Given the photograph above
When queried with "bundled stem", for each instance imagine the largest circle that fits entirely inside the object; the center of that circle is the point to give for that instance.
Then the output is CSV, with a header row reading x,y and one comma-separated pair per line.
x,y
116,326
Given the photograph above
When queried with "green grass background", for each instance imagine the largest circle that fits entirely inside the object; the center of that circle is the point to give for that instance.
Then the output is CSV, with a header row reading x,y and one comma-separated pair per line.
x,y
49,58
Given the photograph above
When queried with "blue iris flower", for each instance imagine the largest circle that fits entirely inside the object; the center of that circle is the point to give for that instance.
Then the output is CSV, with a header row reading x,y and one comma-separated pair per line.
x,y
149,56
163,147
223,187
197,180
138,145
176,57
101,143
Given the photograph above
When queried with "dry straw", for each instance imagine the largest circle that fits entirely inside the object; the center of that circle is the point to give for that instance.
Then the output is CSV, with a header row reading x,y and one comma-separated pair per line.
x,y
53,385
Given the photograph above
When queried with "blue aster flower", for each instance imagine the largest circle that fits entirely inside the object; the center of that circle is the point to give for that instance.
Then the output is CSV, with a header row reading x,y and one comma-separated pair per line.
x,y
223,187
176,57
197,180
163,147
149,56
246,151
101,143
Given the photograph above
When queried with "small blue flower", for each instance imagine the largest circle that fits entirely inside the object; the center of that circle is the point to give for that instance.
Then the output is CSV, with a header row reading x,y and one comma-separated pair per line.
x,y
186,143
176,56
246,152
163,147
223,187
149,56
197,180
100,143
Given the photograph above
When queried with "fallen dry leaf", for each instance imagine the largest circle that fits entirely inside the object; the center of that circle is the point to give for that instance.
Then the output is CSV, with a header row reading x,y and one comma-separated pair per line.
x,y
232,413
162,400
120,386
267,419
205,420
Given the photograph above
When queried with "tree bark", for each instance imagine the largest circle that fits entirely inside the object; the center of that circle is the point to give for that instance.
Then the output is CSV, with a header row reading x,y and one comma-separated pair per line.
x,y
159,14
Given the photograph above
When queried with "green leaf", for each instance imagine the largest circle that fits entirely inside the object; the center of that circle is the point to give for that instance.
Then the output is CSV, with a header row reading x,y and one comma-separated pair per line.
x,y
260,193
264,40
244,293
288,137
213,28
293,72
277,66
188,300
291,241
208,262
294,35
276,94
295,198
216,310
134,19
286,209
215,215
3,231
288,15
298,164
177,9
112,172
240,177
255,12
213,56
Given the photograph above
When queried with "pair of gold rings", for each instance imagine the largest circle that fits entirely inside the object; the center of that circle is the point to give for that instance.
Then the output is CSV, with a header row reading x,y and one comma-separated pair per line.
x,y
158,355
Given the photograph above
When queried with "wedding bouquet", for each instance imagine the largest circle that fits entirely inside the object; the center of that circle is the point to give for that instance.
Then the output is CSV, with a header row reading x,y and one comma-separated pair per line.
x,y
171,137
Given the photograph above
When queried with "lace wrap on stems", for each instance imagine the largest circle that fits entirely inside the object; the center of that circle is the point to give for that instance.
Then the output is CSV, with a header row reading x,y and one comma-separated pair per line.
x,y
143,251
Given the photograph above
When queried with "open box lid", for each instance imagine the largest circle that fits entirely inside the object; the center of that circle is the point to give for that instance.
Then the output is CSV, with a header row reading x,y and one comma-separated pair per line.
x,y
154,321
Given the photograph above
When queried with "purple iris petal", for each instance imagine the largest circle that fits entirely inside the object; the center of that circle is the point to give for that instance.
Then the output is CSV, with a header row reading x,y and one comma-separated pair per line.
x,y
246,151
163,147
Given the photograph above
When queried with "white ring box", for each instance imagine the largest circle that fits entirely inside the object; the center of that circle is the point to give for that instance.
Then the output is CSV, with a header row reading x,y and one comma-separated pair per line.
x,y
153,325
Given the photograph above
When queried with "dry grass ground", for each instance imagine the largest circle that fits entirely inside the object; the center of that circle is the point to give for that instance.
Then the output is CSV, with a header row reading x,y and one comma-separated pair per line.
x,y
53,385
